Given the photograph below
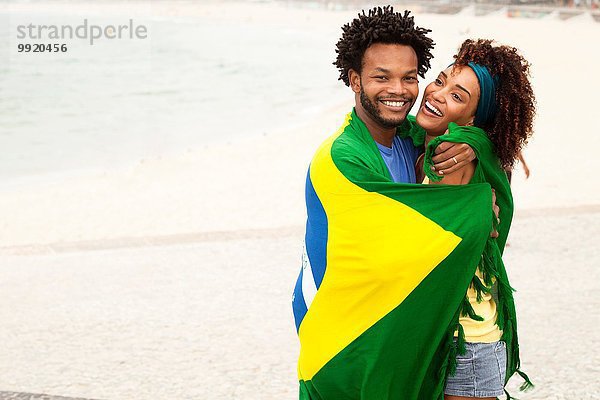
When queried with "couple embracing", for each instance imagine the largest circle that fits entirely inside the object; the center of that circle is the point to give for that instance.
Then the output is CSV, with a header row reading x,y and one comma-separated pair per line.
x,y
403,293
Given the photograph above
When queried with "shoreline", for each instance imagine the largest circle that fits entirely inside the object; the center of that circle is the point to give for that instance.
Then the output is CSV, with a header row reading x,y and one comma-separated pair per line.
x,y
190,238
257,181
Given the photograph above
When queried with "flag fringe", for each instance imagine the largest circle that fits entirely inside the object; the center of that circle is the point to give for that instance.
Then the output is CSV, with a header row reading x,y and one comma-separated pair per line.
x,y
480,288
527,385
467,310
506,316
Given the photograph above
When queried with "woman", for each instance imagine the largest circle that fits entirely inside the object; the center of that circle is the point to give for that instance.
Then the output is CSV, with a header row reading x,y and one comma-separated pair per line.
x,y
487,87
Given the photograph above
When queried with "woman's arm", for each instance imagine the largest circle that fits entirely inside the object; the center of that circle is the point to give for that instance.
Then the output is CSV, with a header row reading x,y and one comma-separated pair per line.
x,y
524,164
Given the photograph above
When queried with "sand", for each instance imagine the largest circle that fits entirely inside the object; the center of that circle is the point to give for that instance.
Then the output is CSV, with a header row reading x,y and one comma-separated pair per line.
x,y
211,319
172,278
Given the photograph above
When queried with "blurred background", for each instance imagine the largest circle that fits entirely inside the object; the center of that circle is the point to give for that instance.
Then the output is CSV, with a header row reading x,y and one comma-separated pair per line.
x,y
152,190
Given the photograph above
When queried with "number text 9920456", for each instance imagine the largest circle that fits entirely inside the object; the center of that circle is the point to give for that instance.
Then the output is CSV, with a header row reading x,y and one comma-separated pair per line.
x,y
41,48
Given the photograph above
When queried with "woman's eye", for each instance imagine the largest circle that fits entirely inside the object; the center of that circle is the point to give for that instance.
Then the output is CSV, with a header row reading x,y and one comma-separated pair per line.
x,y
438,82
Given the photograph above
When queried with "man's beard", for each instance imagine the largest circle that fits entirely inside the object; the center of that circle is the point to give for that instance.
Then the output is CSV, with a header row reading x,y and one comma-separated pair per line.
x,y
373,111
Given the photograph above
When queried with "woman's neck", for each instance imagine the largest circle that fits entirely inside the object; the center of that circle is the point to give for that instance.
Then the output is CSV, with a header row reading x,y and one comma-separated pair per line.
x,y
430,135
428,138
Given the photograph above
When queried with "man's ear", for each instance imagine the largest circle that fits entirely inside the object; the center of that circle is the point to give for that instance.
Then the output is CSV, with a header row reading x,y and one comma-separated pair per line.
x,y
354,78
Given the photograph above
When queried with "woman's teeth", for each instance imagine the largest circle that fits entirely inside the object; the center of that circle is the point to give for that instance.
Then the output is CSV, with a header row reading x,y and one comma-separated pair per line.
x,y
432,108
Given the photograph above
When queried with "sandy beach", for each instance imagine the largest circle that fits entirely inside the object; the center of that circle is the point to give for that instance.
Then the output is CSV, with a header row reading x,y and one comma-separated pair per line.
x,y
171,276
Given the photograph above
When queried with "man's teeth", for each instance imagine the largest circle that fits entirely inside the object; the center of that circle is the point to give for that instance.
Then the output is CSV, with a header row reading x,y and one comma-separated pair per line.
x,y
432,108
393,103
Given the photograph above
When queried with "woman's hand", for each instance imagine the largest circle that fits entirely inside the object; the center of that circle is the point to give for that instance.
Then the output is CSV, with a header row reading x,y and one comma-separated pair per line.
x,y
450,157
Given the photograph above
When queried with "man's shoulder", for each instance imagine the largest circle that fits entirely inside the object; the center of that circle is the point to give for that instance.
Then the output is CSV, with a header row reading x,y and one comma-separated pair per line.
x,y
345,145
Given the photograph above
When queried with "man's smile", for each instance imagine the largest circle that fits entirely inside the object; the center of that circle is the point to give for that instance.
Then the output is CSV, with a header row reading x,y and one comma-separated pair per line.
x,y
394,104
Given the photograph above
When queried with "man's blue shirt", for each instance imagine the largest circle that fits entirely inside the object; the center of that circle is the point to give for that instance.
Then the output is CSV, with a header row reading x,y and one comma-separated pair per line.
x,y
400,159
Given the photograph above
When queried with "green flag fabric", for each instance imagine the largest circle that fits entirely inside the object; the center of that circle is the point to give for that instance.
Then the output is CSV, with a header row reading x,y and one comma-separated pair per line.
x,y
386,267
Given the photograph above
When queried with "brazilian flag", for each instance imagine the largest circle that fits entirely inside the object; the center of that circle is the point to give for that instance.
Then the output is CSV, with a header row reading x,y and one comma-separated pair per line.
x,y
386,267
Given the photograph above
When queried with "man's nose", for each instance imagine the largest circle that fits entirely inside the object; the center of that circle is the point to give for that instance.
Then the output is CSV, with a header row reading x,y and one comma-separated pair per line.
x,y
397,87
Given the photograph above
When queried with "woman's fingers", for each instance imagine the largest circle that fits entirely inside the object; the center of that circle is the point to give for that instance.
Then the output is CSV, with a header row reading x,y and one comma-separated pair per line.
x,y
450,157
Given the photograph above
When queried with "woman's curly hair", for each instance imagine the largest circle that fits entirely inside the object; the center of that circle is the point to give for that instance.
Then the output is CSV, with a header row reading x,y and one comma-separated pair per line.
x,y
512,125
380,25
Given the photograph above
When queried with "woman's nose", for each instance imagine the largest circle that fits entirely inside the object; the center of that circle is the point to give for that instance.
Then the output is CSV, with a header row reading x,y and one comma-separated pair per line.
x,y
438,96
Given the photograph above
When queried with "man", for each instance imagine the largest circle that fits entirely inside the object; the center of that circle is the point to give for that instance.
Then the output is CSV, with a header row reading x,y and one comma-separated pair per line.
x,y
375,327
384,79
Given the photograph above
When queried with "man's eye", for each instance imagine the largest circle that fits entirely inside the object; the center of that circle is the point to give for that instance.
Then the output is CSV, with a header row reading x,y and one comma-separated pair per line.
x,y
456,97
381,77
411,78
438,82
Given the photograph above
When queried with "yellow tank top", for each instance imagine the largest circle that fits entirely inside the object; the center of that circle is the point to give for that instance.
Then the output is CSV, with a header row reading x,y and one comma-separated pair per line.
x,y
485,331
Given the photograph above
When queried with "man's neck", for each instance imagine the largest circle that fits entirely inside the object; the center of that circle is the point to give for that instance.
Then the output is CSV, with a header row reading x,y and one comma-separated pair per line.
x,y
382,135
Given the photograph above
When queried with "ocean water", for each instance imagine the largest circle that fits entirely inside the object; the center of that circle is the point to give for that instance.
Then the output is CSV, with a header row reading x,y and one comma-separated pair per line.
x,y
194,81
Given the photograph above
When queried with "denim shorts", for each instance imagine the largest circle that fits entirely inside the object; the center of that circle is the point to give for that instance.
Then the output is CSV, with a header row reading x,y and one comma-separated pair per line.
x,y
480,372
